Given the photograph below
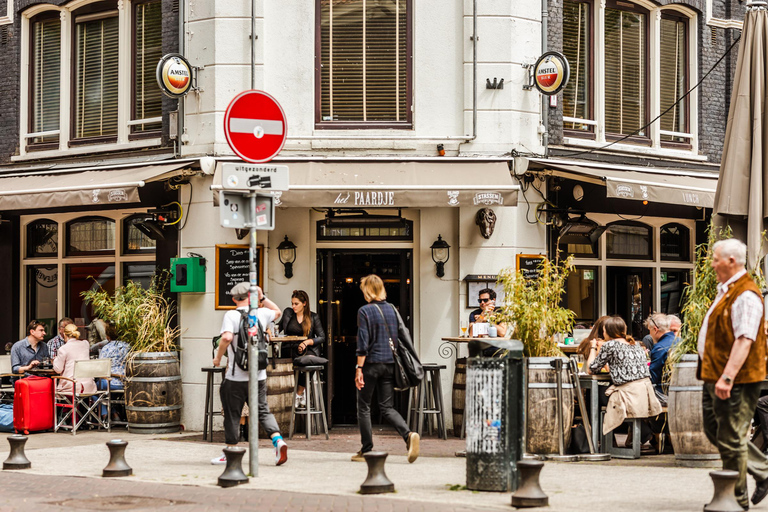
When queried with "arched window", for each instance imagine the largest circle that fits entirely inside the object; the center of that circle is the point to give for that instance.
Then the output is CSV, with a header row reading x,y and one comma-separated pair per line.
x,y
42,239
675,242
90,235
134,240
629,240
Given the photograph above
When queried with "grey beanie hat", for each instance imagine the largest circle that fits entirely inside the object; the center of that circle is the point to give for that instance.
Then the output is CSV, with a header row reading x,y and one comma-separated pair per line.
x,y
240,291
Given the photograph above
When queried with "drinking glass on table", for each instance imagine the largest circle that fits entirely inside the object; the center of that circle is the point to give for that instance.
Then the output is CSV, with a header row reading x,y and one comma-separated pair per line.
x,y
464,325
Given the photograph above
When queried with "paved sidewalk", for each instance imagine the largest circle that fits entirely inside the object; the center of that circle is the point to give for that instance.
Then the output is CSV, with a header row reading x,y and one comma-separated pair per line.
x,y
177,467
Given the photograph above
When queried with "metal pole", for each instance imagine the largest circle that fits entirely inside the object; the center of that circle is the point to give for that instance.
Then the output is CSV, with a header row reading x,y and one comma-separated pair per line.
x,y
544,106
253,45
559,391
253,354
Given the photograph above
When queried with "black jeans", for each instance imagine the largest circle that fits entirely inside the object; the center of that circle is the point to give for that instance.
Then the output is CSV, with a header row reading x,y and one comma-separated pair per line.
x,y
234,394
378,376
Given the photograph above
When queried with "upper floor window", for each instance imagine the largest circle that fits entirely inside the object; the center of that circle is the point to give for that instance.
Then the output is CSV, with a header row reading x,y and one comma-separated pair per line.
x,y
577,96
363,70
147,49
45,83
673,60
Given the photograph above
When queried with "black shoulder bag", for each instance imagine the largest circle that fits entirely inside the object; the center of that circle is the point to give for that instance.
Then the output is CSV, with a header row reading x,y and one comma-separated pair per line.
x,y
408,369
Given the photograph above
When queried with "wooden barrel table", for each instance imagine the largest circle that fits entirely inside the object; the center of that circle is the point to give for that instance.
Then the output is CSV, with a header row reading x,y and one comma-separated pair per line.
x,y
686,423
153,392
541,418
458,394
280,393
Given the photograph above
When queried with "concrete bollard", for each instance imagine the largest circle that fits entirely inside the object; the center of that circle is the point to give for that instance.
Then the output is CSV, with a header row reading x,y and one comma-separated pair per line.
x,y
376,482
117,465
529,494
724,499
16,459
233,474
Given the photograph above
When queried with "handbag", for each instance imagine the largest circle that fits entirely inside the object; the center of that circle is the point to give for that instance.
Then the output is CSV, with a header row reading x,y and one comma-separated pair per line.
x,y
408,369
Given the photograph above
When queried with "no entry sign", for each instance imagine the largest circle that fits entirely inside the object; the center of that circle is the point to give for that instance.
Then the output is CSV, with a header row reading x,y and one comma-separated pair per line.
x,y
254,125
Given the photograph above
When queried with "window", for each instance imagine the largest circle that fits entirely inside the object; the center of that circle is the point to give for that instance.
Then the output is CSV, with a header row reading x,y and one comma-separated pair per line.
x,y
628,240
42,239
90,235
581,294
674,80
373,229
134,241
364,63
675,243
45,81
42,282
577,104
147,51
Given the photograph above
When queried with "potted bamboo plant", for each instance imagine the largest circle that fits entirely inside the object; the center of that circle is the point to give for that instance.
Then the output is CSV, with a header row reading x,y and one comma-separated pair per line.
x,y
143,318
532,310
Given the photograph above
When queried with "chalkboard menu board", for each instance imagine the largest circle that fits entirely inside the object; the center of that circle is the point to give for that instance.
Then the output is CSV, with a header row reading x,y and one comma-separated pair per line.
x,y
231,268
529,264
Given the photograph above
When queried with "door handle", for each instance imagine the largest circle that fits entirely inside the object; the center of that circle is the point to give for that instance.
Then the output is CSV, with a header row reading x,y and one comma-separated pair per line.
x,y
337,302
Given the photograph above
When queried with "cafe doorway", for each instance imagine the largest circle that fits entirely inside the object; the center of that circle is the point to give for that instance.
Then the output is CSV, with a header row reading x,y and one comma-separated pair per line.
x,y
339,298
630,296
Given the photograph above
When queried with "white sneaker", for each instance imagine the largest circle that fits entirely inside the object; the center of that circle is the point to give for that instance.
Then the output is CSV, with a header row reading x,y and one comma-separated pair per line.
x,y
220,460
281,453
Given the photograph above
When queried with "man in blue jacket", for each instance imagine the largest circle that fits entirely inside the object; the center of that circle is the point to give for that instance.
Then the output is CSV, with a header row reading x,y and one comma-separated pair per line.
x,y
659,325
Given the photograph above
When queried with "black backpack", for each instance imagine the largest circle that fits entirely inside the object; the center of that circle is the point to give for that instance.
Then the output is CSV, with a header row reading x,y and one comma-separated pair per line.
x,y
241,346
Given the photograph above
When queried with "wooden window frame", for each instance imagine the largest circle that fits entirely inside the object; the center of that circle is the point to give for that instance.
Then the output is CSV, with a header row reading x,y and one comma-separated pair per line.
x,y
38,146
687,67
633,223
685,233
139,134
69,254
592,133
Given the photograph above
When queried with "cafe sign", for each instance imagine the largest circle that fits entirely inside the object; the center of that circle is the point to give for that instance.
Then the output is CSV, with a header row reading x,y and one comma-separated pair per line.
x,y
551,73
174,75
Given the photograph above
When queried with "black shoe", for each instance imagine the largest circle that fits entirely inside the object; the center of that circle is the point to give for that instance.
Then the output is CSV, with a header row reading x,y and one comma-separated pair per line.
x,y
760,491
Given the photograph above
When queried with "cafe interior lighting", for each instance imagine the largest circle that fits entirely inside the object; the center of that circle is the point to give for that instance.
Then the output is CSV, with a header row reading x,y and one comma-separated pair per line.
x,y
440,254
286,253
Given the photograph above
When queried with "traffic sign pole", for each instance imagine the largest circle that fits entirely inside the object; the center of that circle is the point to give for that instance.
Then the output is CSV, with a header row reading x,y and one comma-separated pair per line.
x,y
253,353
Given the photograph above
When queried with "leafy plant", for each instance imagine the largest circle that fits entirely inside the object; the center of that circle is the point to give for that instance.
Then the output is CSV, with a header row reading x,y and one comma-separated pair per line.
x,y
141,316
532,307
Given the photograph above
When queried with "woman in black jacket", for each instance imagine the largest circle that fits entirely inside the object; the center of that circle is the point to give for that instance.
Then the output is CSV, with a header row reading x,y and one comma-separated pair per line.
x,y
298,320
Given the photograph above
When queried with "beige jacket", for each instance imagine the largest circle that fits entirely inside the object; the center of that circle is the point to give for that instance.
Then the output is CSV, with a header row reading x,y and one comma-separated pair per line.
x,y
634,399
64,365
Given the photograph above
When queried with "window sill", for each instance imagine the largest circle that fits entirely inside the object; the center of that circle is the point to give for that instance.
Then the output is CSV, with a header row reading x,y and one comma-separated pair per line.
x,y
639,150
82,150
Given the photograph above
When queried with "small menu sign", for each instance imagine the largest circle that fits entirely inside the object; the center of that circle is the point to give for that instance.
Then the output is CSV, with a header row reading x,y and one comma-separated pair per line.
x,y
232,267
529,265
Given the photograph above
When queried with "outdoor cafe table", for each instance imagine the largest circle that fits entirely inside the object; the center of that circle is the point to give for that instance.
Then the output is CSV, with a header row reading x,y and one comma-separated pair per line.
x,y
276,340
590,382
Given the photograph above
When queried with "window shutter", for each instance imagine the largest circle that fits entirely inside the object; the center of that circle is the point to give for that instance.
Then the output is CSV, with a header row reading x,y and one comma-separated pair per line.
x,y
148,50
46,65
673,82
96,78
625,72
364,61
577,49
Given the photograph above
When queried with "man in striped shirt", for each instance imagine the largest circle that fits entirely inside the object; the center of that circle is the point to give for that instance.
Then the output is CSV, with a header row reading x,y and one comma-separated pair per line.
x,y
57,341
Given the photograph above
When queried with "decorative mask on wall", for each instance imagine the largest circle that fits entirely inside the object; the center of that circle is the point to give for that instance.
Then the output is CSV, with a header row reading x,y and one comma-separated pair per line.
x,y
486,219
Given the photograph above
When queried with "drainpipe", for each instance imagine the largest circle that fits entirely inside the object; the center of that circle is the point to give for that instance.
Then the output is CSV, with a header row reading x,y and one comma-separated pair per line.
x,y
253,44
180,101
544,107
474,80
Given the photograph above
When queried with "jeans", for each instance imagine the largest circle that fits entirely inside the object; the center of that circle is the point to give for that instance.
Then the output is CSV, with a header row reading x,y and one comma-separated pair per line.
x,y
378,376
234,394
101,384
726,424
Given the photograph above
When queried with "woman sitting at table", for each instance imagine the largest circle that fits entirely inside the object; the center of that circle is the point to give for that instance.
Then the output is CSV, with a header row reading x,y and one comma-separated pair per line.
x,y
117,352
74,349
631,394
595,334
298,320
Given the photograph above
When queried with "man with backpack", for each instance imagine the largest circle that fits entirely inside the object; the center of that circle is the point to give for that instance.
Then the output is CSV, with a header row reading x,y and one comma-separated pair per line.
x,y
234,387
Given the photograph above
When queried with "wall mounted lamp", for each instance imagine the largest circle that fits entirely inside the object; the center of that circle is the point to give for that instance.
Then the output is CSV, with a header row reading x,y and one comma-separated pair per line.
x,y
440,254
286,252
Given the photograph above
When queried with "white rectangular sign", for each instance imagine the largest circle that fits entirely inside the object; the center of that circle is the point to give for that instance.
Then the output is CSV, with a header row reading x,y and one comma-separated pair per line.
x,y
235,211
243,176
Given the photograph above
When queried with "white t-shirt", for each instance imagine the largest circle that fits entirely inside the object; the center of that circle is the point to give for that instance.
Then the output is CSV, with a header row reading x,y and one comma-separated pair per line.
x,y
231,323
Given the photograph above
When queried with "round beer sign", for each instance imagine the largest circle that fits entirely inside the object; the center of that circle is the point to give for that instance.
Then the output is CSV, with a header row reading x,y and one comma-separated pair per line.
x,y
551,73
174,75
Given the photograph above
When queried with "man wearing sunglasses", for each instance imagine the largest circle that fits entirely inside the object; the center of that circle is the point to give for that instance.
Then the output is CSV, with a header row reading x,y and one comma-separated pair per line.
x,y
487,300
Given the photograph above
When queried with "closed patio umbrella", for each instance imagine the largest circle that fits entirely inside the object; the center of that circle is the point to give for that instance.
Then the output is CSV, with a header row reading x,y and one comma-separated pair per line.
x,y
741,200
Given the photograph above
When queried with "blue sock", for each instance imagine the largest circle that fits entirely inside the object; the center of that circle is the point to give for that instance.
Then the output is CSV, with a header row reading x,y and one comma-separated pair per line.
x,y
275,439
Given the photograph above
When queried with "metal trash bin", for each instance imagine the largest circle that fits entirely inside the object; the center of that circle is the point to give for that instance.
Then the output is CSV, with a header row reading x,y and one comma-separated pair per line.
x,y
494,417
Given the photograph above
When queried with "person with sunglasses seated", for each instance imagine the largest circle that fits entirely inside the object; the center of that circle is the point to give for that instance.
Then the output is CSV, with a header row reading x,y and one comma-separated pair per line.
x,y
487,300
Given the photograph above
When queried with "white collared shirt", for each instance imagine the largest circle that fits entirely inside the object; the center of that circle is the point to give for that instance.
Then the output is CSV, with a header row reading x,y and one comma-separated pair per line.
x,y
746,313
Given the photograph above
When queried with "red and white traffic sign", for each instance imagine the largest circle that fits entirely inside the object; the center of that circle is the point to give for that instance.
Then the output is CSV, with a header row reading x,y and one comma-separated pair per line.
x,y
255,127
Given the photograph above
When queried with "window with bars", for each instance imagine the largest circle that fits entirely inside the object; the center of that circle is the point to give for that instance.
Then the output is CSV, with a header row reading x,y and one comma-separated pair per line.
x,y
45,81
147,51
90,235
96,75
674,80
364,63
577,105
629,240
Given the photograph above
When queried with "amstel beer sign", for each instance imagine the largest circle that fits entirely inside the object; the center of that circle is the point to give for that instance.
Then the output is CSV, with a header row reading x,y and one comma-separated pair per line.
x,y
174,75
551,73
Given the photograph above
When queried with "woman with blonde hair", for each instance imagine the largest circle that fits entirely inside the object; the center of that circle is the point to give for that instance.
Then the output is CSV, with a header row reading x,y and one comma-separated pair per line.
x,y
74,349
376,366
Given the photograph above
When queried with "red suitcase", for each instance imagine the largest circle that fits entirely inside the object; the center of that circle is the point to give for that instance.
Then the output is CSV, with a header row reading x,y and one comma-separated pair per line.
x,y
33,405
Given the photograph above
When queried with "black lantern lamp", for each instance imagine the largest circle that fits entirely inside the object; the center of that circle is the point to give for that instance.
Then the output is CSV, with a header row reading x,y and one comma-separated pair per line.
x,y
286,252
440,254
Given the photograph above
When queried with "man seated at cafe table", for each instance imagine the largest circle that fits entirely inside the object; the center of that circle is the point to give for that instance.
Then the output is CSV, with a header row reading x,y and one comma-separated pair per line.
x,y
663,338
487,299
30,351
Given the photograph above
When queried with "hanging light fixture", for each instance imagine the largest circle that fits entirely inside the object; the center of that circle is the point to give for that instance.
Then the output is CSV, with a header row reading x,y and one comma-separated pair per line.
x,y
286,252
440,254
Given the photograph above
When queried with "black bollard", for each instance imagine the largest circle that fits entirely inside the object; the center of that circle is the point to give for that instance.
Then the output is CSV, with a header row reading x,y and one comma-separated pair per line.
x,y
529,494
233,474
117,465
376,482
16,459
724,499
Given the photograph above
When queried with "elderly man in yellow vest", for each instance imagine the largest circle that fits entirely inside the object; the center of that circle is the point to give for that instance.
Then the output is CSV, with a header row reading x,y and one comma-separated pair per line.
x,y
732,365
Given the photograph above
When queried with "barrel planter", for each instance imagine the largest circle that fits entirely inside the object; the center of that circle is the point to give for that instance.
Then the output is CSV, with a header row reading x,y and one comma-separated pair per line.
x,y
686,424
541,417
458,394
153,392
280,393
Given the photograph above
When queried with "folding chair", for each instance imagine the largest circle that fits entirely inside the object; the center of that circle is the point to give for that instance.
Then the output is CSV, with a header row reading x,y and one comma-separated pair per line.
x,y
117,397
70,402
6,380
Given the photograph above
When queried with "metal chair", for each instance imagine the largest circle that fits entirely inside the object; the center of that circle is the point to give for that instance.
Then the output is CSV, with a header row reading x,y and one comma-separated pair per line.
x,y
315,405
117,397
6,381
426,400
70,402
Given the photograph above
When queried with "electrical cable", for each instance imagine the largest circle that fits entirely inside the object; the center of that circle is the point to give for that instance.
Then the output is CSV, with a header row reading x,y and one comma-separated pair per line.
x,y
181,213
189,204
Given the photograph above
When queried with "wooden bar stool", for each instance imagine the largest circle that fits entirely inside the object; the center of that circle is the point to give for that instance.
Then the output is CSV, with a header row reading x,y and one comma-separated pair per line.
x,y
315,405
427,399
209,398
